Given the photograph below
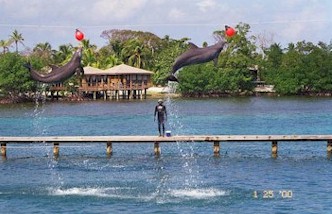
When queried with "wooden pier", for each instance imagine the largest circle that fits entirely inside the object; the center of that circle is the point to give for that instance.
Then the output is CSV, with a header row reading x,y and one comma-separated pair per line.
x,y
215,139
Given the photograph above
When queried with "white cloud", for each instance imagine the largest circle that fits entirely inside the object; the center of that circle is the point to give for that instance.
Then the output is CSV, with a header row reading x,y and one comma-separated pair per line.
x,y
15,8
176,14
290,21
302,19
206,5
116,10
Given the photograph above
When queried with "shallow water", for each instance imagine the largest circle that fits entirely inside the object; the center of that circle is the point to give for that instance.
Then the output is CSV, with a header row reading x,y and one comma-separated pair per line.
x,y
186,178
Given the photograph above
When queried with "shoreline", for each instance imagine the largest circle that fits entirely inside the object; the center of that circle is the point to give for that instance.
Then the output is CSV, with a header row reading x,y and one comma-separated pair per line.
x,y
160,92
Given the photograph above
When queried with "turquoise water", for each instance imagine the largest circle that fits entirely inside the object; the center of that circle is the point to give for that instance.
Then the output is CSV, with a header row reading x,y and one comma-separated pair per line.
x,y
186,178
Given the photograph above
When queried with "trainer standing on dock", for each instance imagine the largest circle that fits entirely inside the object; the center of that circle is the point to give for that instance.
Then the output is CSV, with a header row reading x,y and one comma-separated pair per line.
x,y
160,110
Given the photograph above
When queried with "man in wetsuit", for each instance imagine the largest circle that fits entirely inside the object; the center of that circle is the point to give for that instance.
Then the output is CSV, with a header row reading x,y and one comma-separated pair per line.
x,y
160,110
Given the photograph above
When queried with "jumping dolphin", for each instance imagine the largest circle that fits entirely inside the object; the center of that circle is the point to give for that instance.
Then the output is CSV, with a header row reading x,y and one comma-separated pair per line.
x,y
196,55
58,74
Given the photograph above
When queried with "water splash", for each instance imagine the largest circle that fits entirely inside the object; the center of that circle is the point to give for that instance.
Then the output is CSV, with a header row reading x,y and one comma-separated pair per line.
x,y
40,128
39,109
125,193
199,193
187,150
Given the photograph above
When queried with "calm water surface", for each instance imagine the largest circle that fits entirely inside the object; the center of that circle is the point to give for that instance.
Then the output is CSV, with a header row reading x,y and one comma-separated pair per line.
x,y
186,178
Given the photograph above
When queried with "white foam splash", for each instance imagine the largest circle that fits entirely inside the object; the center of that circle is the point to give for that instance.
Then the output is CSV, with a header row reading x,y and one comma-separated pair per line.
x,y
89,191
198,193
127,193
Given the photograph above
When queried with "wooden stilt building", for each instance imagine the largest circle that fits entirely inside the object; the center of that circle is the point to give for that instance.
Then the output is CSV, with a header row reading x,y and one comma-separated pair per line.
x,y
120,81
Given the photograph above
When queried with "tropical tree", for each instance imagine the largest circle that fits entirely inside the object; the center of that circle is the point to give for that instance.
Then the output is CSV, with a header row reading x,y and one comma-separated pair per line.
x,y
64,53
231,75
134,53
17,37
106,58
136,48
44,52
5,44
89,53
14,78
116,46
165,58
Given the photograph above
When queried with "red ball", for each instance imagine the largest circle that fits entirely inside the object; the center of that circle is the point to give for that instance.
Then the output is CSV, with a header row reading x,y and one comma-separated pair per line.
x,y
229,31
79,35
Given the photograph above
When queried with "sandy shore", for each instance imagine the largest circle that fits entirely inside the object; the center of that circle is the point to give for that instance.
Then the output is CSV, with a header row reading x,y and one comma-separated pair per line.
x,y
160,92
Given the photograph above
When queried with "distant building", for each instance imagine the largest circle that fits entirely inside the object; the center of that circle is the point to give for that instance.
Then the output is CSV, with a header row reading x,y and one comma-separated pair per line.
x,y
120,81
260,86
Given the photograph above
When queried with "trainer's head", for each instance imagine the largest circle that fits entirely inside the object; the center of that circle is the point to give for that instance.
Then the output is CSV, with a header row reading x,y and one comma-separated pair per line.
x,y
160,101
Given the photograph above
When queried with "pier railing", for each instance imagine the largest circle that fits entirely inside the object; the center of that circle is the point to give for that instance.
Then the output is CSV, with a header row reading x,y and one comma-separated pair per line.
x,y
215,139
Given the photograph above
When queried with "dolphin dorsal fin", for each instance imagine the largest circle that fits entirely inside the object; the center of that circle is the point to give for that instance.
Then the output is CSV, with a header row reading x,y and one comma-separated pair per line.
x,y
192,45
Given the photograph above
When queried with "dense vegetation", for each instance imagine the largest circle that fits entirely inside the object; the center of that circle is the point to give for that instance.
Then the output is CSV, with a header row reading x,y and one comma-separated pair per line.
x,y
301,68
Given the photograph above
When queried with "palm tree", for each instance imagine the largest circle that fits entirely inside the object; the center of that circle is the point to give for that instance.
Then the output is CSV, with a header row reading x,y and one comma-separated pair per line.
x,y
135,53
136,58
89,53
5,45
64,53
86,45
17,38
43,51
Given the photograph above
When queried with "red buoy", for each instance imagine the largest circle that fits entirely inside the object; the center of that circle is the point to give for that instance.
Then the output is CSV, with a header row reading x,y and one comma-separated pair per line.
x,y
79,35
229,31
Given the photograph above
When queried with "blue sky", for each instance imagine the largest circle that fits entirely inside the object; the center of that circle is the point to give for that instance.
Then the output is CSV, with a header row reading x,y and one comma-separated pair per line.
x,y
281,21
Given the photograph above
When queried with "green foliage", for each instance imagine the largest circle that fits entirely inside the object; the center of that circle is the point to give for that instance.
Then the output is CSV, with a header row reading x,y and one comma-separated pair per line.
x,y
230,76
14,78
119,37
106,58
135,48
164,60
195,80
204,79
136,54
17,37
303,68
64,53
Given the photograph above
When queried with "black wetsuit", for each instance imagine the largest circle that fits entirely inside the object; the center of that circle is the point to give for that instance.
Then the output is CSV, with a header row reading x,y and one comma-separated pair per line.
x,y
162,116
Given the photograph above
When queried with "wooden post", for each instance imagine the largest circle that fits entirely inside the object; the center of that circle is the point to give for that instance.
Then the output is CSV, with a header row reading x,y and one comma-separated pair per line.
x,y
3,150
329,148
131,94
109,149
274,149
56,149
216,148
156,149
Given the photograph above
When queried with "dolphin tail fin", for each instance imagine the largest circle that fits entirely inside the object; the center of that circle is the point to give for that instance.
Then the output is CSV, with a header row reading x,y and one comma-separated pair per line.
x,y
172,78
